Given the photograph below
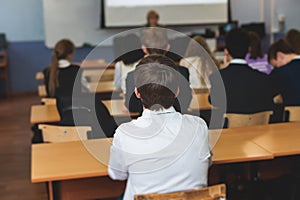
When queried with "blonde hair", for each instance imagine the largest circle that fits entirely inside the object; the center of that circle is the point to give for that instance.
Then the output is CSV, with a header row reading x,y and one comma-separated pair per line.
x,y
62,49
193,50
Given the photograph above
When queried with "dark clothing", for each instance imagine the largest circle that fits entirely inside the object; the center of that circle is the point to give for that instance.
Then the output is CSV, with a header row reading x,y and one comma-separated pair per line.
x,y
86,110
66,80
247,90
181,103
286,81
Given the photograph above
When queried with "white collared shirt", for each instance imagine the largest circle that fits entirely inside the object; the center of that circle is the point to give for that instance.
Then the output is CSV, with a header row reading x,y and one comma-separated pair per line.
x,y
238,61
162,151
63,63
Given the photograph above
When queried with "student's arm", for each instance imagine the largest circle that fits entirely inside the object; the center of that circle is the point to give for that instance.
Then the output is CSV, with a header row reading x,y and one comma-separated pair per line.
x,y
217,96
117,169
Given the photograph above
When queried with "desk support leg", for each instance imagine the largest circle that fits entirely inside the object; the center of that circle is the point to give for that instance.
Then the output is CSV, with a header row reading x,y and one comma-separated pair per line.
x,y
50,190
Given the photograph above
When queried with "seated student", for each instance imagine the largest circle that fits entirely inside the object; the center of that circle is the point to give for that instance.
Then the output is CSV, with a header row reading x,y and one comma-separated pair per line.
x,y
127,62
162,151
247,90
200,66
285,77
255,58
60,77
293,39
155,41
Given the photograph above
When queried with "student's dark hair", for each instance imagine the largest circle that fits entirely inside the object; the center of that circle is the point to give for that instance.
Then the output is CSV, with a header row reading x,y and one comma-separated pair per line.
x,y
237,43
255,46
279,46
156,79
155,40
62,49
293,39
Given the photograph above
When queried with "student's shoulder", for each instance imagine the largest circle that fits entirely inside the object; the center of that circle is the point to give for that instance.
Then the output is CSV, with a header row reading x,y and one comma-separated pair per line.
x,y
194,120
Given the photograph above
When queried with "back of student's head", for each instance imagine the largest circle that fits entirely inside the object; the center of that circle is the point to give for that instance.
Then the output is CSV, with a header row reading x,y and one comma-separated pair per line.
x,y
156,79
237,43
255,45
155,40
293,38
62,50
279,46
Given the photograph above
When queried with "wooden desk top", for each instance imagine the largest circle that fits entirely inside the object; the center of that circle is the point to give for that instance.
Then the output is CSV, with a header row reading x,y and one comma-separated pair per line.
x,y
102,87
68,160
49,113
233,149
117,108
39,76
280,139
200,102
96,64
44,114
75,161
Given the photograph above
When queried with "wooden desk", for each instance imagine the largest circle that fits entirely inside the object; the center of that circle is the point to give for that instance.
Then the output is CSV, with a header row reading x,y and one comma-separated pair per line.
x,y
39,76
200,102
102,87
49,113
117,108
280,139
44,114
77,173
96,64
96,75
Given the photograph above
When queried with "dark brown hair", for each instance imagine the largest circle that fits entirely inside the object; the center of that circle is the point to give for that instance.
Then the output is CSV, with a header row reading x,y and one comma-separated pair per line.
x,y
279,46
293,38
237,43
62,49
156,79
255,45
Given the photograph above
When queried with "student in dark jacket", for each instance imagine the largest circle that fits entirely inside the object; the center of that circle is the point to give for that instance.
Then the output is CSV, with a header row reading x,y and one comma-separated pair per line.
x,y
155,41
286,75
60,76
247,90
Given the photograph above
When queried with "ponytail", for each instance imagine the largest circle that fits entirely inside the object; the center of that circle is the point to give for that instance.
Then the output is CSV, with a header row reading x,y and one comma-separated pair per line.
x,y
61,50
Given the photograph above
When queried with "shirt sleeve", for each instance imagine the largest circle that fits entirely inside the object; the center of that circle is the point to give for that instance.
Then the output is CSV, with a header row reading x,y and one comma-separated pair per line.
x,y
117,76
117,169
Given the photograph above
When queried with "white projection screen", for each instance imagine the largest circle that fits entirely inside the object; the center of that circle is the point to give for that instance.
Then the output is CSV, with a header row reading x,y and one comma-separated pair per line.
x,y
131,13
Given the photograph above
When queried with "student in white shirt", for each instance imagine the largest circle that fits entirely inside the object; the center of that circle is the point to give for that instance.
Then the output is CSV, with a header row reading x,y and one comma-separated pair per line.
x,y
162,151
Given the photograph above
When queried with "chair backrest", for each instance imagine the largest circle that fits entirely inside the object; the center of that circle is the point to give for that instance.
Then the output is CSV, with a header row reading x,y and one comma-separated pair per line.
x,y
42,91
52,133
48,101
216,192
294,113
240,120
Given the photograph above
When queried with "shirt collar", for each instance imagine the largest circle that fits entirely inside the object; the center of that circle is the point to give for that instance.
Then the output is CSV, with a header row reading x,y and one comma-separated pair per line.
x,y
148,112
63,63
238,61
297,57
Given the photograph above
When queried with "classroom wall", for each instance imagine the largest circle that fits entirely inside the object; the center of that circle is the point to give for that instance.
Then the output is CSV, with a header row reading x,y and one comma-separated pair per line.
x,y
22,21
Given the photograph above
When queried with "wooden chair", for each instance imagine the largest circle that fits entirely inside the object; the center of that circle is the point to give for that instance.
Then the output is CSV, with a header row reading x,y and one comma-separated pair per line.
x,y
239,120
42,91
294,113
52,133
48,101
216,192
4,71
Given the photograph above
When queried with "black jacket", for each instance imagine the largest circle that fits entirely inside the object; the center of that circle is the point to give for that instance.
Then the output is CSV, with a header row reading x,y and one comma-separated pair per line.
x,y
247,90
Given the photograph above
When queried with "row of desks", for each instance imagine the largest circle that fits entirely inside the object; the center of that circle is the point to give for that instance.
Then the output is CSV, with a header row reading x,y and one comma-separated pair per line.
x,y
49,113
75,164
